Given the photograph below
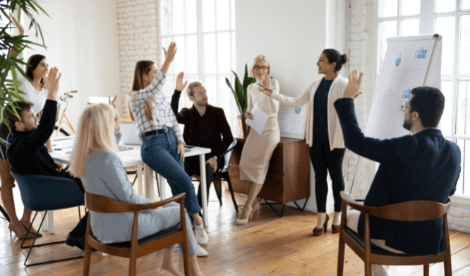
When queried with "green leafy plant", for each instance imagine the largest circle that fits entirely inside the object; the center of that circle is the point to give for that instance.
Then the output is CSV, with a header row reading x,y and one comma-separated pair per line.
x,y
240,91
9,87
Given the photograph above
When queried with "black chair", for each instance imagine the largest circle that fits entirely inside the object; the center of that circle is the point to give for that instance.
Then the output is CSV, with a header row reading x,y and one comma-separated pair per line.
x,y
47,193
222,174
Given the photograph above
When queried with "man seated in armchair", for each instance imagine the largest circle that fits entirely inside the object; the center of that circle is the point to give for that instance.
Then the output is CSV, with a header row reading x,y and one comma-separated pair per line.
x,y
420,166
28,154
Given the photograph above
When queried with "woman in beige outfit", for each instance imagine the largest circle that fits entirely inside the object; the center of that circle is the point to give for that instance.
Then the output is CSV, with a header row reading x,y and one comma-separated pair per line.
x,y
259,147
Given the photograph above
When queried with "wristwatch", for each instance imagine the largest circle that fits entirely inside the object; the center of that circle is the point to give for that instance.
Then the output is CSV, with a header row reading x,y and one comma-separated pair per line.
x,y
215,157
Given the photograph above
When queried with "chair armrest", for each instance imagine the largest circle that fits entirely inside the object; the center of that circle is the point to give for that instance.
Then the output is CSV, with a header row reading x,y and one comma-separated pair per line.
x,y
349,200
154,205
103,204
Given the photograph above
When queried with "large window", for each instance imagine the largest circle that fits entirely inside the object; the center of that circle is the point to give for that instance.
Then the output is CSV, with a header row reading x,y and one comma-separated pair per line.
x,y
204,31
451,19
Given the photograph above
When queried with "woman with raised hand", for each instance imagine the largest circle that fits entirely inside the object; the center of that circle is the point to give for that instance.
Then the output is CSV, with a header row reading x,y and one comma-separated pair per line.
x,y
323,133
259,147
95,161
162,142
35,92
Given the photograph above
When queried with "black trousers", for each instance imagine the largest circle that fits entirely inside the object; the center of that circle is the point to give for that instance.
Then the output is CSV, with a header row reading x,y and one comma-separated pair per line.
x,y
325,160
192,167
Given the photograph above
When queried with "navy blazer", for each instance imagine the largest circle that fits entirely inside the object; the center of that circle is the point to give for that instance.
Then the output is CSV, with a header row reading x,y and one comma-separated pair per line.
x,y
424,166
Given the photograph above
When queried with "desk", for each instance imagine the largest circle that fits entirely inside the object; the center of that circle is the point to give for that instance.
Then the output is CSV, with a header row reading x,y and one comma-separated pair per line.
x,y
131,157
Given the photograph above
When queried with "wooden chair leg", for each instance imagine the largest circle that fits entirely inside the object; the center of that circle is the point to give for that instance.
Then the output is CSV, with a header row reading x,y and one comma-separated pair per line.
x,y
186,256
86,264
133,265
341,255
448,268
86,267
426,270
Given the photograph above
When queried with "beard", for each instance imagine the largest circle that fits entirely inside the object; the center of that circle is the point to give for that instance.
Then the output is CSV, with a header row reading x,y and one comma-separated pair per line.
x,y
407,125
202,103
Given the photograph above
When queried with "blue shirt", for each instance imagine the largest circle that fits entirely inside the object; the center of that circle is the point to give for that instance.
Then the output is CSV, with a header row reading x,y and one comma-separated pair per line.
x,y
320,110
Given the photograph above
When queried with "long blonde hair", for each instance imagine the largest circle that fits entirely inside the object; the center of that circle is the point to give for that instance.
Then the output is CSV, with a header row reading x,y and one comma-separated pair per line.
x,y
95,132
142,68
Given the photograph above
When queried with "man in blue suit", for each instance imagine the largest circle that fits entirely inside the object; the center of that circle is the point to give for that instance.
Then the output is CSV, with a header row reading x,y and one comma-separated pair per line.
x,y
420,166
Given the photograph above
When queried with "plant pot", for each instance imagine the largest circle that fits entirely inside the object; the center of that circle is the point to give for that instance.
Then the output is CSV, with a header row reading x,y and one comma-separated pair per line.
x,y
244,128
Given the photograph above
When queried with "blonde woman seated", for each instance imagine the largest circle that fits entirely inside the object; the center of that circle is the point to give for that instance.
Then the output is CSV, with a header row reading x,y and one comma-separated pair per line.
x,y
95,161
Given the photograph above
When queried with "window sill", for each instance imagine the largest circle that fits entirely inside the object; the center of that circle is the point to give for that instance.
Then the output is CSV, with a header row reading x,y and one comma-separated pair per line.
x,y
460,199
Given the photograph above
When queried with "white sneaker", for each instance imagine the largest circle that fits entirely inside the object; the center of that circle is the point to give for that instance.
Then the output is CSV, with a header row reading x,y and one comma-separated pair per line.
x,y
201,252
201,235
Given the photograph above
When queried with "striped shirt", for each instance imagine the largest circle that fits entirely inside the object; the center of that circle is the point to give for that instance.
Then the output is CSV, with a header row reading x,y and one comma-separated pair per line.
x,y
163,116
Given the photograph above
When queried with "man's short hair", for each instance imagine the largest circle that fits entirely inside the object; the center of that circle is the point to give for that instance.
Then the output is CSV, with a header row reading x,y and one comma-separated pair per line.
x,y
20,107
429,102
191,86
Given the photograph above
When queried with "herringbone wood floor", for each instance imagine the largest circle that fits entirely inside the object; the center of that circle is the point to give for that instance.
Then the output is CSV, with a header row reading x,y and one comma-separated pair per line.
x,y
267,246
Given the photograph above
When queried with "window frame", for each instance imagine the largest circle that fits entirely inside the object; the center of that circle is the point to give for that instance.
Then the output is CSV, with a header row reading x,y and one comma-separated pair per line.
x,y
222,99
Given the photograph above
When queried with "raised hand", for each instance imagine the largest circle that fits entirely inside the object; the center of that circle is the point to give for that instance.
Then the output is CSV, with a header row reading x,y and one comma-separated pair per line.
x,y
267,81
17,24
352,89
113,101
169,56
170,53
179,82
116,113
52,81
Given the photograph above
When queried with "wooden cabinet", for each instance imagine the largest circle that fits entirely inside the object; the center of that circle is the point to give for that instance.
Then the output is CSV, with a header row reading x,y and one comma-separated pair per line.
x,y
288,177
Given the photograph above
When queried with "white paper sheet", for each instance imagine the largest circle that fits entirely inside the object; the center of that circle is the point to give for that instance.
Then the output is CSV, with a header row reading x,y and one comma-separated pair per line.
x,y
259,119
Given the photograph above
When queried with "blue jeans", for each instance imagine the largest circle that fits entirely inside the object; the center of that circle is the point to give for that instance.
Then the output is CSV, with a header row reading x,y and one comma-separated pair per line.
x,y
160,152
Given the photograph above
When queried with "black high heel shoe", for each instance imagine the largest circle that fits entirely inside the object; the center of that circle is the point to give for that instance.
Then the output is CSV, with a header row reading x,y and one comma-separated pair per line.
x,y
319,231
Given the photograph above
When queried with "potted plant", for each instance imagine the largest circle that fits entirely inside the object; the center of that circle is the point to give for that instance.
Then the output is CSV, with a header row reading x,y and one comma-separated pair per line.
x,y
9,87
241,98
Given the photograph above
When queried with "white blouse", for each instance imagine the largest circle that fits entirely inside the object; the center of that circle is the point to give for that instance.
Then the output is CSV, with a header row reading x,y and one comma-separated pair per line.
x,y
37,98
269,105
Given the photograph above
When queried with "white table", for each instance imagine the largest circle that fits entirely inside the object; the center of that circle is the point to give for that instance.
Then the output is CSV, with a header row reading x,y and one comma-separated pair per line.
x,y
129,158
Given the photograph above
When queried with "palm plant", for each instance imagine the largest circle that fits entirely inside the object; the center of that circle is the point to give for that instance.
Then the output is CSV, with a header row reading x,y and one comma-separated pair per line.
x,y
9,87
240,91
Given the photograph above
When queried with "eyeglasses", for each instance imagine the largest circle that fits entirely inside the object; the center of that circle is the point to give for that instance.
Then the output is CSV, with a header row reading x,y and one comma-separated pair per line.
x,y
256,67
404,107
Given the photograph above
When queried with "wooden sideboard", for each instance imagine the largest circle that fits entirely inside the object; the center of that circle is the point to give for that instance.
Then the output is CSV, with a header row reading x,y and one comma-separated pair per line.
x,y
288,176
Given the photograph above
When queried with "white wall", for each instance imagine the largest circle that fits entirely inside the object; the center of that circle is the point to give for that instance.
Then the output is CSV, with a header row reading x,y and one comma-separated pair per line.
x,y
292,34
82,41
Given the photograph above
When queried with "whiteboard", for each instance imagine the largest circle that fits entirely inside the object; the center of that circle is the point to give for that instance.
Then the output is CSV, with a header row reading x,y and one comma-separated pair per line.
x,y
292,121
407,64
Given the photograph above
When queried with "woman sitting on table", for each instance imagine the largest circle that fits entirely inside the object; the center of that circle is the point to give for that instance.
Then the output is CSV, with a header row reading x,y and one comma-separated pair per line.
x,y
95,161
259,147
323,132
162,142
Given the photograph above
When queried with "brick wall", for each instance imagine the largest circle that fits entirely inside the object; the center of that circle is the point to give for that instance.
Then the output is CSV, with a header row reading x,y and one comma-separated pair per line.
x,y
360,54
138,39
359,49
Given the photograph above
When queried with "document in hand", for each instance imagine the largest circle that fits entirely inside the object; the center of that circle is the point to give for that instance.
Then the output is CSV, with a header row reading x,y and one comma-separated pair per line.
x,y
259,119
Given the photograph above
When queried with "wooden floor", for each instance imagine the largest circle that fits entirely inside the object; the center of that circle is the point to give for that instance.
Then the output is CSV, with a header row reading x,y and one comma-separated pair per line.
x,y
267,246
